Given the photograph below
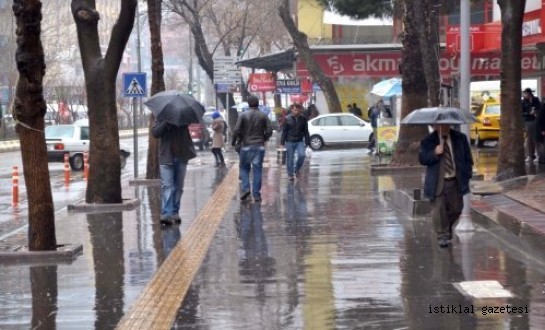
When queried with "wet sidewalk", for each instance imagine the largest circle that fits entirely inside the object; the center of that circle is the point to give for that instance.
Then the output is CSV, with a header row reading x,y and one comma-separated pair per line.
x,y
325,252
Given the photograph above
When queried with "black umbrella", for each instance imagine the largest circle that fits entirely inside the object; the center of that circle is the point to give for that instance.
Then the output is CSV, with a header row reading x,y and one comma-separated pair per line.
x,y
439,115
176,108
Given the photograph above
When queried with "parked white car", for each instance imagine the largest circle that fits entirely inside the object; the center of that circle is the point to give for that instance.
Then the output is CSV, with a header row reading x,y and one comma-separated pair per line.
x,y
72,140
338,128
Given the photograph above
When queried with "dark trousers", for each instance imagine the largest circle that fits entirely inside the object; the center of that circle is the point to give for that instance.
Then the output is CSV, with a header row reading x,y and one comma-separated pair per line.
x,y
446,208
218,155
529,140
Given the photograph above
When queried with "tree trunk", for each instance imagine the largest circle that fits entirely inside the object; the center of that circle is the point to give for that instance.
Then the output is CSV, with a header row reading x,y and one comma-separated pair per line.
x,y
414,91
511,146
29,109
104,185
157,82
301,43
426,12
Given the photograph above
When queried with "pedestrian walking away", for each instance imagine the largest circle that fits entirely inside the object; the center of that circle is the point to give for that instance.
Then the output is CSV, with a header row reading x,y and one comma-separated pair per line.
x,y
356,111
540,135
252,130
312,112
449,166
175,150
295,138
218,138
530,109
373,114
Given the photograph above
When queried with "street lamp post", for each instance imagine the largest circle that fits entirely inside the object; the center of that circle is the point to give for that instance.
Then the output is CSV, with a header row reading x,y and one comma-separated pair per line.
x,y
465,223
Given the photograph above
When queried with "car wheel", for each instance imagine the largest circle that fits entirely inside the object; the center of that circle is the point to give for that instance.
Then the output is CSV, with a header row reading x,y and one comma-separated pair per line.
x,y
316,142
76,162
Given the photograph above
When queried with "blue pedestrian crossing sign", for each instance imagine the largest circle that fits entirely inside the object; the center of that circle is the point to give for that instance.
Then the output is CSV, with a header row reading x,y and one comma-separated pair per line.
x,y
134,84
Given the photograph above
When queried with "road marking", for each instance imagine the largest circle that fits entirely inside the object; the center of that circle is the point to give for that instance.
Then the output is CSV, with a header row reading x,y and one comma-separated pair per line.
x,y
483,289
159,302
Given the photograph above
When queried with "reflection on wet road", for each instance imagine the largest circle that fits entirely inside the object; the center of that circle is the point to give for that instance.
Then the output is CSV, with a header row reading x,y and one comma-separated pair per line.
x,y
325,252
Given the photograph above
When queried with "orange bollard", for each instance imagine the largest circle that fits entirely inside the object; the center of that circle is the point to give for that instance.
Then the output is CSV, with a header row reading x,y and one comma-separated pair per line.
x,y
85,166
66,170
15,186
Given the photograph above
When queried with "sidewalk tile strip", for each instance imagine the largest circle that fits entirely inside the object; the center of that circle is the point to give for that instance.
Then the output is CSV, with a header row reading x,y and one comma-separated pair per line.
x,y
157,305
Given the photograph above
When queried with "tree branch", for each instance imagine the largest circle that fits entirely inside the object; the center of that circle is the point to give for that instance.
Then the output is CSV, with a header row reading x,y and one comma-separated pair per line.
x,y
120,36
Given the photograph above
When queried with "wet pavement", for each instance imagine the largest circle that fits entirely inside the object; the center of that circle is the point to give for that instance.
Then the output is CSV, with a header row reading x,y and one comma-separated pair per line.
x,y
325,252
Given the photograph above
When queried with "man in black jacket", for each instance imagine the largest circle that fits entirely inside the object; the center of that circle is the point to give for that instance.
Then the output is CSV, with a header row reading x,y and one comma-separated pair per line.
x,y
447,155
175,150
296,138
530,109
252,130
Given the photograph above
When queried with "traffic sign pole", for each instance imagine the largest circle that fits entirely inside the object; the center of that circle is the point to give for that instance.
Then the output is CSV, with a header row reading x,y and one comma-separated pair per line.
x,y
135,136
134,85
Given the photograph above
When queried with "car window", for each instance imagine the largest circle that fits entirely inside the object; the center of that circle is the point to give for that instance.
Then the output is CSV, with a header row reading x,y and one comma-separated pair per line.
x,y
493,109
84,133
329,121
59,132
349,121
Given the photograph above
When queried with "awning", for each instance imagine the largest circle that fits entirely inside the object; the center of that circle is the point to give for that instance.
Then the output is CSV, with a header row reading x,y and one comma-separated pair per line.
x,y
273,62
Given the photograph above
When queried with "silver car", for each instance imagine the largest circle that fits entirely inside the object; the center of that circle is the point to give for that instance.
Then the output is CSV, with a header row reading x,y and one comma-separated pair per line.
x,y
338,128
73,140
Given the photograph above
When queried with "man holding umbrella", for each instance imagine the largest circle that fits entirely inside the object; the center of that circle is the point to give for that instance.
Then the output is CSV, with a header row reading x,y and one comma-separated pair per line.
x,y
173,111
447,155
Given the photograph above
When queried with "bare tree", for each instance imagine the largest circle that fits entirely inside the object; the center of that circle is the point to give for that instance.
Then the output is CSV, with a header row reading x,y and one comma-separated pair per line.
x,y
157,81
301,43
29,110
100,72
415,89
511,150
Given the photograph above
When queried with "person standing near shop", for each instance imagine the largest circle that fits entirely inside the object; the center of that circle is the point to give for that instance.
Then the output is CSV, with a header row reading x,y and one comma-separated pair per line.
x,y
295,137
530,109
252,130
218,138
175,150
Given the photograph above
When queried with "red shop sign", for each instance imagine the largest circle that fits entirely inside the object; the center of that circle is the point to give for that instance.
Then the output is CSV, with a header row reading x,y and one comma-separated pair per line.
x,y
262,82
374,64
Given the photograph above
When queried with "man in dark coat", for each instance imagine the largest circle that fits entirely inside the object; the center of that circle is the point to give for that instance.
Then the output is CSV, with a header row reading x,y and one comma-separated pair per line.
x,y
295,137
175,150
447,155
540,135
252,131
530,109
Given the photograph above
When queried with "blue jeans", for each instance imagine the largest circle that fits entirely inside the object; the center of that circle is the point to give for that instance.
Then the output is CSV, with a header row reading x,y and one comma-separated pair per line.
x,y
291,148
172,181
251,159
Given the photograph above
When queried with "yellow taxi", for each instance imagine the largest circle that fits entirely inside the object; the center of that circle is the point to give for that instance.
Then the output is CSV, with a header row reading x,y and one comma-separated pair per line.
x,y
487,128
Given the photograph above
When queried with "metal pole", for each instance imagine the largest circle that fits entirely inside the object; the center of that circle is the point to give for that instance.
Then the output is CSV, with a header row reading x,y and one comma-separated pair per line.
x,y
227,117
135,136
190,84
465,223
134,100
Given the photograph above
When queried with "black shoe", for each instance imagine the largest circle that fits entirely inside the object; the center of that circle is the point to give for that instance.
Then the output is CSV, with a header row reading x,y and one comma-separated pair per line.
x,y
291,177
443,242
244,196
257,199
176,218
167,221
